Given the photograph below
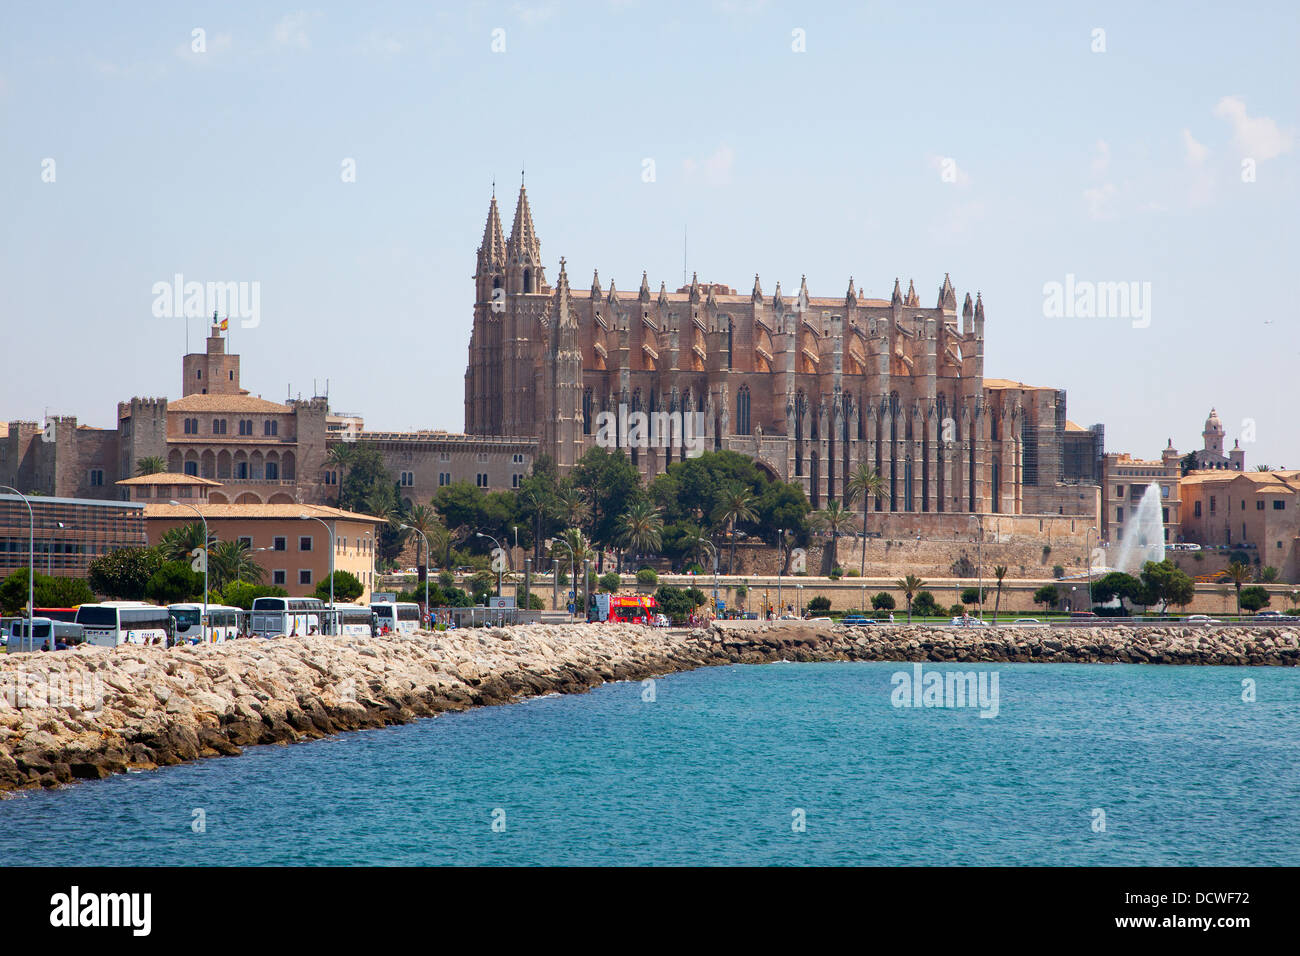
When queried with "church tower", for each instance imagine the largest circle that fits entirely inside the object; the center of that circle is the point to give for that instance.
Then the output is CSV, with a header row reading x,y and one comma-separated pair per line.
x,y
563,406
482,375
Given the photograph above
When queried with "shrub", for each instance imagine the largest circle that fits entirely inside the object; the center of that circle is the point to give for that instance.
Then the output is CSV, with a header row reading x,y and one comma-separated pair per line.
x,y
1047,595
1254,598
957,610
610,582
347,588
852,573
836,574
880,615
446,579
1058,571
648,576
694,569
972,595
819,605
535,603
884,601
924,605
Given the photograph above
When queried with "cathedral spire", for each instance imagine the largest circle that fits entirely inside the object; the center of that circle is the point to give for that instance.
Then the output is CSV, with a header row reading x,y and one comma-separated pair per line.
x,y
897,297
947,295
851,297
644,294
757,294
912,299
492,251
523,237
565,317
595,284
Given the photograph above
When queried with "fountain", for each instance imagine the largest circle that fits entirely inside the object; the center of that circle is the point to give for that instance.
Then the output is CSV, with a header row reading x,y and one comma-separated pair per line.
x,y
1143,537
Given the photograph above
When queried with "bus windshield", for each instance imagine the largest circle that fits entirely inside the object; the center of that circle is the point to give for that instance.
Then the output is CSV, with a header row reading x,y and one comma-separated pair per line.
x,y
186,618
97,616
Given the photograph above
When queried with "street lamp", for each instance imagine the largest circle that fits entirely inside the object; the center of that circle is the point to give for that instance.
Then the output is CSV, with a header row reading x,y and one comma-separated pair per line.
x,y
49,550
331,533
780,563
572,580
480,534
979,552
427,609
206,630
31,562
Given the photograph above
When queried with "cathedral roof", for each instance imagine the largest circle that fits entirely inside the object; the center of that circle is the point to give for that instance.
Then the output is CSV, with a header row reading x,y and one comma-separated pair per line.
x,y
522,234
493,248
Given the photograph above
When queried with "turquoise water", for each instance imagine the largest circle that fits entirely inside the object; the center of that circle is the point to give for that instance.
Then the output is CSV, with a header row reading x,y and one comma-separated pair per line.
x,y
713,770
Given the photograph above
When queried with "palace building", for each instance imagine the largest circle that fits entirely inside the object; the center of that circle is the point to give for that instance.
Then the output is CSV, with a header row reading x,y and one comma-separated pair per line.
x,y
808,386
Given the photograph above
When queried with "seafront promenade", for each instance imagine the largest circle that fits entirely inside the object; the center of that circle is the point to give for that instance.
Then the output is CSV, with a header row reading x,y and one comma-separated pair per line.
x,y
92,712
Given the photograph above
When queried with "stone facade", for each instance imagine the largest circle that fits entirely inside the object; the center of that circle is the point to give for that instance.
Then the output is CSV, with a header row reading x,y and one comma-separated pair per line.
x,y
1255,510
807,386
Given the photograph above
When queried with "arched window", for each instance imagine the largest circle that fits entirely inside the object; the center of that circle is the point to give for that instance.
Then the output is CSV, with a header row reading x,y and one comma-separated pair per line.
x,y
528,280
586,411
742,411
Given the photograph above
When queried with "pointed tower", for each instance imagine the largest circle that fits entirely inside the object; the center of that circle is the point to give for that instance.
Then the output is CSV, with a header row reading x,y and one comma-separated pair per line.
x,y
913,300
563,429
482,374
524,251
757,295
947,296
897,297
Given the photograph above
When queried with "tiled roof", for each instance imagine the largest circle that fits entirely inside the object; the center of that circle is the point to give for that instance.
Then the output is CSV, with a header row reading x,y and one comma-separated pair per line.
x,y
287,511
169,478
226,403
1007,383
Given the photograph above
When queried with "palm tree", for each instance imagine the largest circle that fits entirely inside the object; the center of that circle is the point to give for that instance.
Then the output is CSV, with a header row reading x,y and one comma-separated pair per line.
x,y
909,586
150,465
696,544
540,503
1238,574
177,544
833,518
641,528
340,457
572,506
423,519
233,561
999,572
737,505
868,483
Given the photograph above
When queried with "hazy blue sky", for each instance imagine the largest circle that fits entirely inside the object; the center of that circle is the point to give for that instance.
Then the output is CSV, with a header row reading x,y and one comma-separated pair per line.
x,y
225,165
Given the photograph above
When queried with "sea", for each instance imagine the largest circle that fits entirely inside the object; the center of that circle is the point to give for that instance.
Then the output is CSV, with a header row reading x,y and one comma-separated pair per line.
x,y
787,764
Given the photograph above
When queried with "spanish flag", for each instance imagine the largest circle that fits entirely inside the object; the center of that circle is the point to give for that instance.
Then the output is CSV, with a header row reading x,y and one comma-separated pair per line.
x,y
225,324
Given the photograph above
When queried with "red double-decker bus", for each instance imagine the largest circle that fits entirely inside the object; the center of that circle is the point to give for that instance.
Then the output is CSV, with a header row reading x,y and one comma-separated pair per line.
x,y
56,613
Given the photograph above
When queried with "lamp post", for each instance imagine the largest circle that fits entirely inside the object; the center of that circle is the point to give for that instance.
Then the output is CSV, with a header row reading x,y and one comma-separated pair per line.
x,y
49,551
305,517
205,629
371,546
572,580
31,561
427,609
979,553
780,563
1086,539
480,534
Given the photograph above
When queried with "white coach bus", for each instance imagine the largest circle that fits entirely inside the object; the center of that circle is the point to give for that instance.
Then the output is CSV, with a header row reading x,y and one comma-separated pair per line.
x,y
223,622
287,616
396,617
124,622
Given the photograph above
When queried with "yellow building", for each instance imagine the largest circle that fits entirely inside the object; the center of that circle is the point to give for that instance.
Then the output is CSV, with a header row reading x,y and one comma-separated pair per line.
x,y
1258,511
294,551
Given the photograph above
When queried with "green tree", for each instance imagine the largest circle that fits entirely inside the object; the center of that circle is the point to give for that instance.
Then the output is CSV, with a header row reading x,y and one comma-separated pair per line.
x,y
123,574
48,591
610,483
347,588
833,518
339,458
926,606
1268,574
179,543
866,483
819,604
736,505
1238,574
1253,598
678,603
909,585
999,573
150,465
610,582
1048,595
424,520
1167,584
243,593
174,582
230,561
641,528
883,601
973,595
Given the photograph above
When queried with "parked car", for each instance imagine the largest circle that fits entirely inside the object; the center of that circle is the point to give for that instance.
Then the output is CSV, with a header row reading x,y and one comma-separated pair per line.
x,y
661,620
1202,619
1026,620
1270,616
857,619
967,622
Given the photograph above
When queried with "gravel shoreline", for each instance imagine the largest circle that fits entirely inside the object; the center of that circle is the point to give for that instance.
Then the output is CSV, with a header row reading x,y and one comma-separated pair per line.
x,y
92,712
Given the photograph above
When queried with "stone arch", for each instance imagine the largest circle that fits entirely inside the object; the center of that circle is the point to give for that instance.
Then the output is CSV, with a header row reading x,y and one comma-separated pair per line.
x,y
289,467
280,498
255,465
174,461
223,464
247,498
241,466
208,464
272,466
191,466
217,498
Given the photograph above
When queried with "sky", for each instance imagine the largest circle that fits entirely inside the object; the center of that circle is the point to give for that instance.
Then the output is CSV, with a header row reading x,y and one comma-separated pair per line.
x,y
339,159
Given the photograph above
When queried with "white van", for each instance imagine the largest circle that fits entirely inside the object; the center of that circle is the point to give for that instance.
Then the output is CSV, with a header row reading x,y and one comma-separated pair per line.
x,y
46,635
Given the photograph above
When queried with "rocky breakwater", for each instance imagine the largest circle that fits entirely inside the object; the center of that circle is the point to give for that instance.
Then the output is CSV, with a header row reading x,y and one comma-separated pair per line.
x,y
92,712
